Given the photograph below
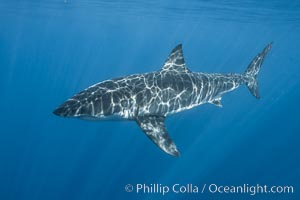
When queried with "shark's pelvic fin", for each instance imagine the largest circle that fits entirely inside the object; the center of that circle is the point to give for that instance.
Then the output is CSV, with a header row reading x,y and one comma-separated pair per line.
x,y
154,128
175,61
217,102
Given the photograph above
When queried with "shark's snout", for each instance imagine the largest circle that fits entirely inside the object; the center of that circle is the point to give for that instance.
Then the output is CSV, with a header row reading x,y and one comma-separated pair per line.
x,y
58,111
67,109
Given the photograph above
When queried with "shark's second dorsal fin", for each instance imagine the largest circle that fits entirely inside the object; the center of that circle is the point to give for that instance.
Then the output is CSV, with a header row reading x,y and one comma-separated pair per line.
x,y
175,61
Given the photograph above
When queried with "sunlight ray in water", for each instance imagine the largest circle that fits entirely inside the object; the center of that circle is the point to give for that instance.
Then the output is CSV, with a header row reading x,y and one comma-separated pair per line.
x,y
51,50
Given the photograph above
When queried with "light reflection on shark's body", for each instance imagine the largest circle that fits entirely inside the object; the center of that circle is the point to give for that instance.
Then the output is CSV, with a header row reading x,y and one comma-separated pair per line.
x,y
148,98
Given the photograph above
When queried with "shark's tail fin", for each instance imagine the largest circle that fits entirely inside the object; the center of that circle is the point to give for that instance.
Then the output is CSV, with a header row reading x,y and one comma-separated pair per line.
x,y
253,69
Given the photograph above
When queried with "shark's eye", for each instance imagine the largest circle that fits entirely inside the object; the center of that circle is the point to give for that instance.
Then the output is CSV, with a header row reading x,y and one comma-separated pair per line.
x,y
124,103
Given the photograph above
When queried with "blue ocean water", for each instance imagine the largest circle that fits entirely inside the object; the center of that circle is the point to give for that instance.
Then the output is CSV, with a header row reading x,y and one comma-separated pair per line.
x,y
50,50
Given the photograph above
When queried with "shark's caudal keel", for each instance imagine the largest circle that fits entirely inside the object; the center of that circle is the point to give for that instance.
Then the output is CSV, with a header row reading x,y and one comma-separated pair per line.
x,y
149,98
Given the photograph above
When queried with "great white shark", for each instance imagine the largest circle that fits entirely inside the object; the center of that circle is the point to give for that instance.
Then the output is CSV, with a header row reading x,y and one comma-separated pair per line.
x,y
150,97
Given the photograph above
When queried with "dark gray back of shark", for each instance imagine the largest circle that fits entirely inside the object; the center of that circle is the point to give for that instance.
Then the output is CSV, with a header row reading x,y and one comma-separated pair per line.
x,y
148,98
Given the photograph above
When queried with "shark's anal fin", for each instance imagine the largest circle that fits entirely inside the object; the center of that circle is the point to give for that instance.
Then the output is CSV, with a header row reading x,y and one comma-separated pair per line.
x,y
154,128
217,102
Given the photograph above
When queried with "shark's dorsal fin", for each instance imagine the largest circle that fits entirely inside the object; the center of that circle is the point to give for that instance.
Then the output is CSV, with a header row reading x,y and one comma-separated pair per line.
x,y
175,61
154,128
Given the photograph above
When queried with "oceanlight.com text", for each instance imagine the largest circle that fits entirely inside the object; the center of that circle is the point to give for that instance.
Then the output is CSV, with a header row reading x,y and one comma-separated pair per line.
x,y
164,189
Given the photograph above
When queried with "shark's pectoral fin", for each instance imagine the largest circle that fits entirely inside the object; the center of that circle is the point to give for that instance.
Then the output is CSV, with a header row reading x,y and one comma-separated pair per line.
x,y
154,128
217,102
